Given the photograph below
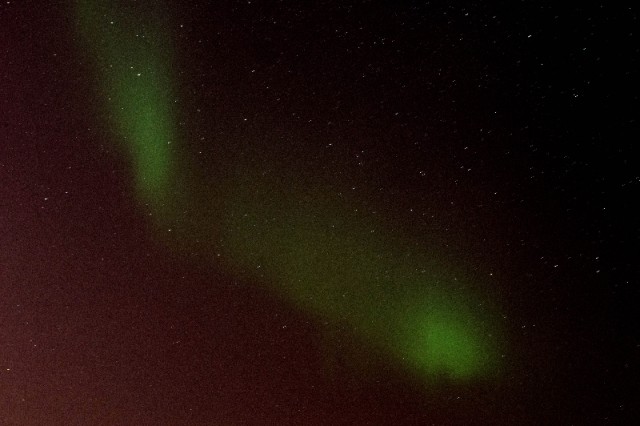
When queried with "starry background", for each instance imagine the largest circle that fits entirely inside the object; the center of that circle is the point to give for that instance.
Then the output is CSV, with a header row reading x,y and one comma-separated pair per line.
x,y
499,134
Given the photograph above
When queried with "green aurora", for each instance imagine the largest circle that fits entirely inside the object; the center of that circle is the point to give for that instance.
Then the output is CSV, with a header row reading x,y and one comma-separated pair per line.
x,y
318,251
135,74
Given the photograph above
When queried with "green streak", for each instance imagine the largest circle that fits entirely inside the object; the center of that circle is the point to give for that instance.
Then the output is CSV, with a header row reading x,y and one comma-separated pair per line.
x,y
130,55
347,269
316,249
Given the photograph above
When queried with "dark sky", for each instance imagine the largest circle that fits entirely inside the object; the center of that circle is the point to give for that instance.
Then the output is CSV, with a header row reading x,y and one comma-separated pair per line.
x,y
502,133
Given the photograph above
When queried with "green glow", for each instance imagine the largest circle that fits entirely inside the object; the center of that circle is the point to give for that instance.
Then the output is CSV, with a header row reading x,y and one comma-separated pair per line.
x,y
345,267
129,52
449,346
317,250
145,122
451,343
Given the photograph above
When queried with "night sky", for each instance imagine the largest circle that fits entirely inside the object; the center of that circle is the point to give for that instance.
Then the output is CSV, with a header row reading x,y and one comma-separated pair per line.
x,y
319,213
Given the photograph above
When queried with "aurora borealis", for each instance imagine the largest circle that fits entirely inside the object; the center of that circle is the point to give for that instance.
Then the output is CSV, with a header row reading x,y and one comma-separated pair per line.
x,y
138,82
307,246
331,213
